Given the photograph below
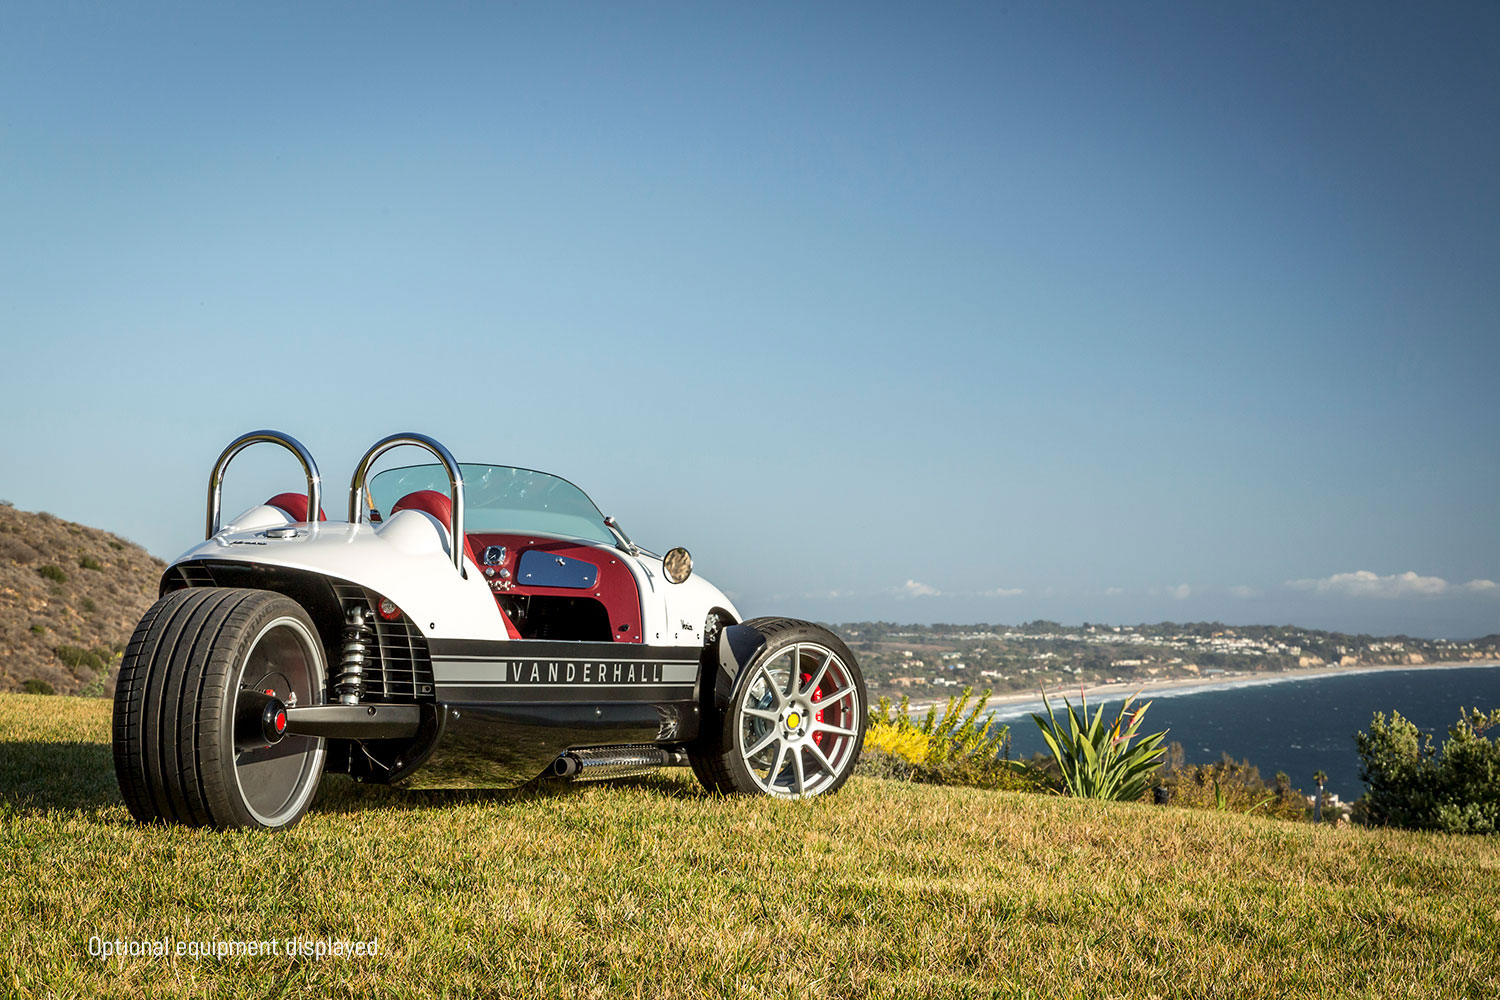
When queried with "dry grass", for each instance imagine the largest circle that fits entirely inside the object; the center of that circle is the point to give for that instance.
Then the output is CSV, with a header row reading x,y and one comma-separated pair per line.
x,y
654,889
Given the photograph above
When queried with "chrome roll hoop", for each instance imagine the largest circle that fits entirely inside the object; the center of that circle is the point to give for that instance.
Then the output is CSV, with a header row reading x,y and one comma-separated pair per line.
x,y
239,444
358,488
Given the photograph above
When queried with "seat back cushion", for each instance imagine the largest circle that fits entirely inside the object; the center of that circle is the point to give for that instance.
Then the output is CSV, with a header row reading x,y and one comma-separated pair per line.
x,y
295,505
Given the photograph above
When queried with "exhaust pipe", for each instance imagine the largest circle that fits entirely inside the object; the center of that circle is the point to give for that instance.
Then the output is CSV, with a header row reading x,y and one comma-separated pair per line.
x,y
597,764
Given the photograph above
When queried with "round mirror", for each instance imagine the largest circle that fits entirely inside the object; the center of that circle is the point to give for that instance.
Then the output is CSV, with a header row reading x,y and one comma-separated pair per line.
x,y
677,564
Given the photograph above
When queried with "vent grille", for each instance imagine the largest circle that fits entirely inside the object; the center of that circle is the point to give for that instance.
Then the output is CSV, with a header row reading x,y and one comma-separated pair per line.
x,y
189,574
402,671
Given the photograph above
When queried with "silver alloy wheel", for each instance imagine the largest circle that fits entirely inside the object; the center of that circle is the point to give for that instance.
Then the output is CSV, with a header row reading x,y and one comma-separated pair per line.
x,y
799,720
275,782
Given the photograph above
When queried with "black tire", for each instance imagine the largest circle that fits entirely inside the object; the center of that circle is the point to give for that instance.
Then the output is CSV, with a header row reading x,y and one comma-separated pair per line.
x,y
178,757
790,723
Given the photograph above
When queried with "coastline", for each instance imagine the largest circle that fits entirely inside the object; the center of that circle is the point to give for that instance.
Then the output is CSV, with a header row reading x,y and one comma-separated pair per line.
x,y
1012,703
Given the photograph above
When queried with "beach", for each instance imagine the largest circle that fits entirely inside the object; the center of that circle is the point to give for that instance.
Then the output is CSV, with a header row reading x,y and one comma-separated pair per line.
x,y
1169,687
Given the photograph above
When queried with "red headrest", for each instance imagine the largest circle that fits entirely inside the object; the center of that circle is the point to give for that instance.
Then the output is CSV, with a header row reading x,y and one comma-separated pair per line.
x,y
295,505
439,506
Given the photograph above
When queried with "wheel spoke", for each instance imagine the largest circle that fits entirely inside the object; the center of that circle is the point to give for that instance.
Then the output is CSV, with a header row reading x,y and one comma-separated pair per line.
x,y
836,697
797,774
796,668
776,767
772,686
818,677
820,727
761,713
822,759
770,738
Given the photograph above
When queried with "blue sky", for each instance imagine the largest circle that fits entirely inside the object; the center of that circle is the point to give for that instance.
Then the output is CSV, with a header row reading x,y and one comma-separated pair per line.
x,y
919,312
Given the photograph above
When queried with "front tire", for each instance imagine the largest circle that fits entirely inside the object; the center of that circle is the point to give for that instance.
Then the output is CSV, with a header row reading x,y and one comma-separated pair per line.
x,y
795,720
186,751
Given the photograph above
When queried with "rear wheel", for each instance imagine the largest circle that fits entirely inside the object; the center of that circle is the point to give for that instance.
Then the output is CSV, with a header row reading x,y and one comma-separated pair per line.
x,y
189,742
796,717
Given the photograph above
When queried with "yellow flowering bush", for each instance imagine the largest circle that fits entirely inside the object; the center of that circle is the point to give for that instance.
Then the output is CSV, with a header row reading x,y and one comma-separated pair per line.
x,y
903,743
957,746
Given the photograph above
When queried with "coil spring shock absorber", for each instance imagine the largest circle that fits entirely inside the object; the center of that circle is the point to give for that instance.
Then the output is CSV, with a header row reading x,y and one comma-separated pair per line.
x,y
355,649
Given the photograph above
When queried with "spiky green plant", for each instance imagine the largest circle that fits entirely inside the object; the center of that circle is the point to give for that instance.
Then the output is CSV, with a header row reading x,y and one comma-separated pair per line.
x,y
1099,761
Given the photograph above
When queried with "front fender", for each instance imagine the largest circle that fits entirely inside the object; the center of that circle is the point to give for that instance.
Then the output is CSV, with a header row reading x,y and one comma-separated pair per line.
x,y
738,647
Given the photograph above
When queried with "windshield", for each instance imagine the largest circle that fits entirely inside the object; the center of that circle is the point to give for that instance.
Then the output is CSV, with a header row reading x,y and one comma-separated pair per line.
x,y
501,499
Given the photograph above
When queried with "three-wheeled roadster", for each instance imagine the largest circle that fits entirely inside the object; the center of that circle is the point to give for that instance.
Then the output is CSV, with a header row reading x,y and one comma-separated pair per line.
x,y
467,626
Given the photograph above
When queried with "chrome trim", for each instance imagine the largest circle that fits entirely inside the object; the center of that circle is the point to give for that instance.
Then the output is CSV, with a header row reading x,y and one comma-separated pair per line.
x,y
358,488
239,444
622,540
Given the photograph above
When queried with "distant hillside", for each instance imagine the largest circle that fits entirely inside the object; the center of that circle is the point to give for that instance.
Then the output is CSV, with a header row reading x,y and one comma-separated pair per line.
x,y
69,597
924,659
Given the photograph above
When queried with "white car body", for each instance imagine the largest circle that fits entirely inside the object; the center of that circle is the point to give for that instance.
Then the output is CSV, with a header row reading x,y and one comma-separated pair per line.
x,y
407,558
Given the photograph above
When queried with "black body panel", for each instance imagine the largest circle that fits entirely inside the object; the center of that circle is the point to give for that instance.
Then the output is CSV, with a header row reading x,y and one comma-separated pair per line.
x,y
501,746
513,707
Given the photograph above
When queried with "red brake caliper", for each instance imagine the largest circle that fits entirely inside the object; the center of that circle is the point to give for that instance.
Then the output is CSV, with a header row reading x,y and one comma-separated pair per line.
x,y
817,696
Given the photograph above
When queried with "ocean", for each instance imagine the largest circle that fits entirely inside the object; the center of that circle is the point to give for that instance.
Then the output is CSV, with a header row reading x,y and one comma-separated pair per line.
x,y
1298,725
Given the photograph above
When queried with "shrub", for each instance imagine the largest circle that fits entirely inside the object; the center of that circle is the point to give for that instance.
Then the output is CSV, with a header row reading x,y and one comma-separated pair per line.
x,y
1411,784
16,550
116,545
88,605
39,629
1229,785
1099,762
904,743
53,573
97,659
89,562
960,746
32,685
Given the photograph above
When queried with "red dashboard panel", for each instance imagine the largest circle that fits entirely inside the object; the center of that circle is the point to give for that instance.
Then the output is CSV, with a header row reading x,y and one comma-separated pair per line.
x,y
615,587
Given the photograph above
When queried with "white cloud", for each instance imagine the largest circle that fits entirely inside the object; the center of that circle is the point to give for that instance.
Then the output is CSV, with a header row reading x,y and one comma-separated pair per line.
x,y
1243,592
1363,583
912,588
1113,591
1002,592
1182,591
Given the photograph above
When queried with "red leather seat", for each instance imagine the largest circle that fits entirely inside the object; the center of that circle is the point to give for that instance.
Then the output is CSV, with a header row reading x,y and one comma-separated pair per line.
x,y
295,506
441,507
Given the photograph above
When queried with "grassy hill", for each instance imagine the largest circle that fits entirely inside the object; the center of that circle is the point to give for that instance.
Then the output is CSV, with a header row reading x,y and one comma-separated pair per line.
x,y
69,597
652,888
